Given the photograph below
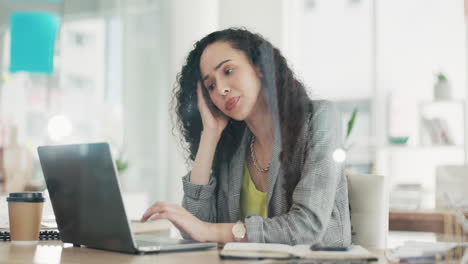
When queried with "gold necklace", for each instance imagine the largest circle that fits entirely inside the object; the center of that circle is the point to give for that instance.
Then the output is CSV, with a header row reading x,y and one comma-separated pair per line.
x,y
255,162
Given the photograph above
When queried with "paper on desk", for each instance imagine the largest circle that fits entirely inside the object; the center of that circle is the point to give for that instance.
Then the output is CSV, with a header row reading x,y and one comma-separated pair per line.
x,y
4,222
151,226
420,250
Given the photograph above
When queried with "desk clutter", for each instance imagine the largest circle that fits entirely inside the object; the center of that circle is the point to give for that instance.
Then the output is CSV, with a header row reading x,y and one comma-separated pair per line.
x,y
429,252
43,235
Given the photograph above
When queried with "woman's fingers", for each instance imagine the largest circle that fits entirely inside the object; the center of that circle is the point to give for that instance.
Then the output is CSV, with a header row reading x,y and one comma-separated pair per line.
x,y
154,209
159,208
201,99
171,212
160,216
212,118
179,217
146,216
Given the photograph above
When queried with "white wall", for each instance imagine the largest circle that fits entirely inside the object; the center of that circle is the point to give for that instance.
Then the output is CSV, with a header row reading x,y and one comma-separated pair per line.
x,y
279,21
144,85
189,22
261,16
415,40
155,46
337,52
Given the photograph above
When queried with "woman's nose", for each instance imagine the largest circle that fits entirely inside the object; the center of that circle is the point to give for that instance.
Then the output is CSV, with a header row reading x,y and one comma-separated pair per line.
x,y
224,90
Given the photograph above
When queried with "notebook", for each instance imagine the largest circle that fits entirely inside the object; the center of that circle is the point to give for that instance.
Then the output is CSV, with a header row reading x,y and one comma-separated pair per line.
x,y
281,251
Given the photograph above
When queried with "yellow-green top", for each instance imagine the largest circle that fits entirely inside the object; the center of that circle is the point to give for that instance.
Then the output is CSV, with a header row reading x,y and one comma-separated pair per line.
x,y
253,201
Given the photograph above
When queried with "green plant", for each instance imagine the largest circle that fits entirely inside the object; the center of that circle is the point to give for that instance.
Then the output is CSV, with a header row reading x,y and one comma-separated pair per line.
x,y
351,122
350,127
121,165
441,77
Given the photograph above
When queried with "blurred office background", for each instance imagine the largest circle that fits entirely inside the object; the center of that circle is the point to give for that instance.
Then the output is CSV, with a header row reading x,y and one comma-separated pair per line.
x,y
401,64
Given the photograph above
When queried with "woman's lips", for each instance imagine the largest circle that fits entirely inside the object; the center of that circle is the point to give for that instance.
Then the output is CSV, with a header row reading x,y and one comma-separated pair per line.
x,y
232,102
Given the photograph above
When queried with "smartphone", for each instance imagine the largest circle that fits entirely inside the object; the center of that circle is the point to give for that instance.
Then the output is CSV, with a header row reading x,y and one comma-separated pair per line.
x,y
325,248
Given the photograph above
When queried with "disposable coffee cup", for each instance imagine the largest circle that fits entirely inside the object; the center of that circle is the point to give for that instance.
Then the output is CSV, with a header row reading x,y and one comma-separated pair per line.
x,y
25,214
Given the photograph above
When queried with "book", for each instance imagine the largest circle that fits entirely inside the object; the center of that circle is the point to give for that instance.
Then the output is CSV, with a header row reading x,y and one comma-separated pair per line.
x,y
445,133
438,131
432,131
280,251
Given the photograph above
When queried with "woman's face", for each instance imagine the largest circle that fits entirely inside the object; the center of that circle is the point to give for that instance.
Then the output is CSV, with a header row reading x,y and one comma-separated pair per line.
x,y
232,82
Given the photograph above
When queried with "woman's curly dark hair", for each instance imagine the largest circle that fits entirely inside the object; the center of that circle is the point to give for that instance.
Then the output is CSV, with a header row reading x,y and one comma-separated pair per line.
x,y
282,90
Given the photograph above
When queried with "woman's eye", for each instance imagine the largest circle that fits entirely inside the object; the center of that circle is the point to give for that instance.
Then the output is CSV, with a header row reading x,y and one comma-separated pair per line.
x,y
210,87
228,71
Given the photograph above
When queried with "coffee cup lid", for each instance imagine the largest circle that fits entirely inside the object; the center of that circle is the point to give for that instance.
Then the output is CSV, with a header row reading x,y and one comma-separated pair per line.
x,y
28,197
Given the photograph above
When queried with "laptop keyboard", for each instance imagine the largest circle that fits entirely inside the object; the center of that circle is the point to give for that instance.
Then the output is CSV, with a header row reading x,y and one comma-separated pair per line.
x,y
144,243
147,241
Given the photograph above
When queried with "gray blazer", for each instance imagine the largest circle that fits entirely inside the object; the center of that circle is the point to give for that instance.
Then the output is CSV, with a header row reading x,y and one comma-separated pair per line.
x,y
320,209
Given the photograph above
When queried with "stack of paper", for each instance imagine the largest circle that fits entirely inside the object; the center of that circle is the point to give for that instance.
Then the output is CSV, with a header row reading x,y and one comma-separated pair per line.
x,y
159,226
427,252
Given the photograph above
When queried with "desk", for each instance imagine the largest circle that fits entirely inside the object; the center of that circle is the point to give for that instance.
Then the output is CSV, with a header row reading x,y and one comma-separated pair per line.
x,y
57,252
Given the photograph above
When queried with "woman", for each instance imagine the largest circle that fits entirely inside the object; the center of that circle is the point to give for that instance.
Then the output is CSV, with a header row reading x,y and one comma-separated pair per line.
x,y
262,150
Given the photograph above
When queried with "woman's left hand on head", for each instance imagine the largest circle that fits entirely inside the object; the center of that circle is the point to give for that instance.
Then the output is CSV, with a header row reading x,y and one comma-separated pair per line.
x,y
181,218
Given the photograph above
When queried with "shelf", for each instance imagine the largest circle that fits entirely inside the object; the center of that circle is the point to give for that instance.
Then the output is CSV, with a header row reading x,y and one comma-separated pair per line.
x,y
422,147
442,102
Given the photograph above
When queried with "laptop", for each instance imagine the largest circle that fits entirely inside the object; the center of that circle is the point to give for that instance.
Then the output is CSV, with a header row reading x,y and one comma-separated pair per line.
x,y
85,194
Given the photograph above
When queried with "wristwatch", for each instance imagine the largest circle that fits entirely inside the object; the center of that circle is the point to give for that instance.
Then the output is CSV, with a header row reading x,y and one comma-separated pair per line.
x,y
238,231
